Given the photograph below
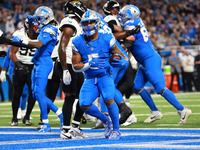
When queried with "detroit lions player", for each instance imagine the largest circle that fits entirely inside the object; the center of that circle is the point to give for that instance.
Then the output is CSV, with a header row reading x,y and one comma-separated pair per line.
x,y
44,22
111,10
91,52
150,66
70,28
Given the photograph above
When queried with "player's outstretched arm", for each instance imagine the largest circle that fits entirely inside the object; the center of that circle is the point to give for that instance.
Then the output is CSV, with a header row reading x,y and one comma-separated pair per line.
x,y
4,40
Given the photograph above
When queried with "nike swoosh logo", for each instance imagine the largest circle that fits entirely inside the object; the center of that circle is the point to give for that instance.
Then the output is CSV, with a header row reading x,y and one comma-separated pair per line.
x,y
184,117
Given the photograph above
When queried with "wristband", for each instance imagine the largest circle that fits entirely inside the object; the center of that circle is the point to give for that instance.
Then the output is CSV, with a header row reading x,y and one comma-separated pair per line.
x,y
85,67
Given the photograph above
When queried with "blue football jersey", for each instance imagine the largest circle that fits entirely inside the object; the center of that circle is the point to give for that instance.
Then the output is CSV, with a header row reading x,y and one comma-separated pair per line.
x,y
48,36
142,46
99,48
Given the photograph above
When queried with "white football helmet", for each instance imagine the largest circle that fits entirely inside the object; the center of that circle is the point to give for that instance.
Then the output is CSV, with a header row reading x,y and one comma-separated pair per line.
x,y
89,16
43,15
129,12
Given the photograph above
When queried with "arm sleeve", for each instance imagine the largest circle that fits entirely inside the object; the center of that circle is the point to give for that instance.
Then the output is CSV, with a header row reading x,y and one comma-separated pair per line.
x,y
111,24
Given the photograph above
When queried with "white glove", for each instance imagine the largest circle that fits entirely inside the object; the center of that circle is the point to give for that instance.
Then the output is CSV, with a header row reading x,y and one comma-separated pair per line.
x,y
66,77
1,33
3,76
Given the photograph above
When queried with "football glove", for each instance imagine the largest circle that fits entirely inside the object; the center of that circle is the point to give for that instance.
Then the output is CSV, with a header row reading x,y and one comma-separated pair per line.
x,y
20,67
119,63
3,76
66,77
133,31
30,18
97,63
1,33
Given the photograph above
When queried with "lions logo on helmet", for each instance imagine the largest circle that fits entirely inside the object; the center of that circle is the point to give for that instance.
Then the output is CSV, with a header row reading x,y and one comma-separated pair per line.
x,y
75,8
43,16
129,12
90,16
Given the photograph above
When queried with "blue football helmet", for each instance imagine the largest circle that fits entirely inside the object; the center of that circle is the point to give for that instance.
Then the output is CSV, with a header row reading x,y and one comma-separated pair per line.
x,y
129,12
89,16
43,16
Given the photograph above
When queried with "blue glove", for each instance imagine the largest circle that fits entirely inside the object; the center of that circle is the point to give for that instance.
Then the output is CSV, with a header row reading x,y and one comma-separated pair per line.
x,y
97,63
30,18
119,63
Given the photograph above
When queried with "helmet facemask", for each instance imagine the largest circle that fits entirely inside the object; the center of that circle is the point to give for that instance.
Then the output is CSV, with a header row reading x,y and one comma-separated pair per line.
x,y
90,17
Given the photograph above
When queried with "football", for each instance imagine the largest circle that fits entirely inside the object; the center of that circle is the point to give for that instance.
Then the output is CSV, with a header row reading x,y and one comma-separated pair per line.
x,y
116,56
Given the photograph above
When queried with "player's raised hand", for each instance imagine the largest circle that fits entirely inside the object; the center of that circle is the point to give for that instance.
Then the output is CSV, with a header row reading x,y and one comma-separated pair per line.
x,y
97,63
3,76
30,18
119,62
66,77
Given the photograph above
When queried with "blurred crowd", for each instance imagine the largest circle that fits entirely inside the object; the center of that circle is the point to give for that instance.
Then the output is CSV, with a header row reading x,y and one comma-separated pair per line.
x,y
169,22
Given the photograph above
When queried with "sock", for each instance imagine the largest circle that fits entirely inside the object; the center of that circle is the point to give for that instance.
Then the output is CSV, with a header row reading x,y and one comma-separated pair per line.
x,y
104,108
118,97
114,115
148,99
78,113
51,105
75,124
95,112
66,128
67,109
171,98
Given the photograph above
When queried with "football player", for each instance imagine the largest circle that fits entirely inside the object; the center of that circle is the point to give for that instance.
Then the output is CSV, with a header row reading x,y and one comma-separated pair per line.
x,y
21,75
70,28
150,66
45,23
91,53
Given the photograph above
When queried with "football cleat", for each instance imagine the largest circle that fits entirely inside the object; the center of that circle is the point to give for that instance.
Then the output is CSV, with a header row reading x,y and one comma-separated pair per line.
x,y
130,120
99,125
27,122
124,115
14,123
45,128
108,128
83,120
40,124
184,114
155,115
71,134
115,135
78,132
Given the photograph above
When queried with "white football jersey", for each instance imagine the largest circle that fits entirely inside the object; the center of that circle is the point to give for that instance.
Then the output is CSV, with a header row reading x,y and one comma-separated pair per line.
x,y
70,22
23,54
55,50
112,17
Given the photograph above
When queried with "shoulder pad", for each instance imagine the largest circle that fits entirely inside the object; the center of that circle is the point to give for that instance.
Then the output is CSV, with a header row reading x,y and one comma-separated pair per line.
x,y
130,24
68,21
50,31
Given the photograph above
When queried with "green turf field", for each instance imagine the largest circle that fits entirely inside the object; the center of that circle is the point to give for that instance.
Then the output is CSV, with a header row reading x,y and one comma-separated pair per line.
x,y
169,120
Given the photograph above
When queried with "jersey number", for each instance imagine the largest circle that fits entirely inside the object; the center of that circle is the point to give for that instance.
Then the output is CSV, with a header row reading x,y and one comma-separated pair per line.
x,y
27,51
144,32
